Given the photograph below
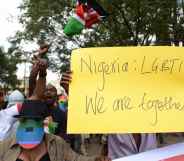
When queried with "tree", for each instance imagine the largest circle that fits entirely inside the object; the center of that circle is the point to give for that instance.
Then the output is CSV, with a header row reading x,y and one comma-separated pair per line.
x,y
137,22
8,66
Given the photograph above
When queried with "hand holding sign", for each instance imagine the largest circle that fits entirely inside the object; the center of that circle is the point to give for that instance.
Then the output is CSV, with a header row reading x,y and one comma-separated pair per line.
x,y
66,80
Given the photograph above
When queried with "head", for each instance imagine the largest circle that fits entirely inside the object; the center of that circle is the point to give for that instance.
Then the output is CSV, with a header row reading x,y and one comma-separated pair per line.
x,y
51,94
14,98
30,132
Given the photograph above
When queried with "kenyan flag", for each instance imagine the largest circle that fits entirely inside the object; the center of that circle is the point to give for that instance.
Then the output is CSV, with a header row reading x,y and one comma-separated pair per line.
x,y
74,26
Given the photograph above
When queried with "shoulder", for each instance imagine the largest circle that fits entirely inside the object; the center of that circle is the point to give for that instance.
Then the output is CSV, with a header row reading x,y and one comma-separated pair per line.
x,y
50,138
6,145
58,115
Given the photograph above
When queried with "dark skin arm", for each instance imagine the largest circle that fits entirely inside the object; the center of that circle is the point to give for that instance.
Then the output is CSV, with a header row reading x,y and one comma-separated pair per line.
x,y
41,82
37,87
36,67
32,78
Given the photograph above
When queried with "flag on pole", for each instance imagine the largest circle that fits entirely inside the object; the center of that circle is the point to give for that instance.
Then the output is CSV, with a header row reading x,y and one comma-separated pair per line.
x,y
87,13
74,26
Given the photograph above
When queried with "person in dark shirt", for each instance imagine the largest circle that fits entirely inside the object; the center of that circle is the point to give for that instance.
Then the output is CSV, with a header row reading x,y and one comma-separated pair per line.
x,y
32,143
50,97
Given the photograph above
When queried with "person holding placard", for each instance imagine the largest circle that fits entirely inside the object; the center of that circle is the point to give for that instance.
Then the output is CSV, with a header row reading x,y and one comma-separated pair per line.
x,y
121,145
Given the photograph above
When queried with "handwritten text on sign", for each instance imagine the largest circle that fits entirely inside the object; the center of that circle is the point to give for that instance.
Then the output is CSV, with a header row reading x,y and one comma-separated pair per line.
x,y
127,89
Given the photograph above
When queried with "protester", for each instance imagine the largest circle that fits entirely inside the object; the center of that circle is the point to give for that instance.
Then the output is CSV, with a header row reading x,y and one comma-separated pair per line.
x,y
31,143
8,128
75,140
50,96
58,115
7,122
121,145
15,97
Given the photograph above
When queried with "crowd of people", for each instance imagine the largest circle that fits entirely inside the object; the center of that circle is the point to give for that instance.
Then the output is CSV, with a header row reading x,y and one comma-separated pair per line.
x,y
33,128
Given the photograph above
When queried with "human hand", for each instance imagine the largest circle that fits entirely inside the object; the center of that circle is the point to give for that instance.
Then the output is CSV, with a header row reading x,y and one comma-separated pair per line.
x,y
66,80
42,65
39,64
41,52
35,68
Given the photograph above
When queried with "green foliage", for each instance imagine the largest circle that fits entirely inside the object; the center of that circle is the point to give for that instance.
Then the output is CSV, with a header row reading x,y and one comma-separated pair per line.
x,y
131,22
8,66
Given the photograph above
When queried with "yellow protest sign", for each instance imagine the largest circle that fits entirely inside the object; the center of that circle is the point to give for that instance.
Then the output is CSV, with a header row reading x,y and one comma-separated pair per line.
x,y
127,89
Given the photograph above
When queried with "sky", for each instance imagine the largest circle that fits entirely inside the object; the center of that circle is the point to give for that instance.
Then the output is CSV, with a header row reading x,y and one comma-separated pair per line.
x,y
9,25
8,20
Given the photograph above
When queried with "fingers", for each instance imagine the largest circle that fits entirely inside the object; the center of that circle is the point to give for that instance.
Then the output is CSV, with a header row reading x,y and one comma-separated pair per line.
x,y
65,82
39,65
67,73
42,63
66,78
35,69
42,67
43,51
44,46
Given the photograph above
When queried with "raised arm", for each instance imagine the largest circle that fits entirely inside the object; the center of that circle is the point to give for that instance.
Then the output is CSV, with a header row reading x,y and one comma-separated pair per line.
x,y
33,78
38,93
36,67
